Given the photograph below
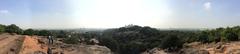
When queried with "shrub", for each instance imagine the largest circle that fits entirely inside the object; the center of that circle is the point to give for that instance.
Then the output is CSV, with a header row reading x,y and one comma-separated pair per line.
x,y
109,42
44,33
232,37
29,32
60,34
171,43
71,40
2,28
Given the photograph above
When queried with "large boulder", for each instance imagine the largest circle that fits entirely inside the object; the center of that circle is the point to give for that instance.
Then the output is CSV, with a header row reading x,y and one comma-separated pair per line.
x,y
193,51
95,49
94,41
82,49
155,51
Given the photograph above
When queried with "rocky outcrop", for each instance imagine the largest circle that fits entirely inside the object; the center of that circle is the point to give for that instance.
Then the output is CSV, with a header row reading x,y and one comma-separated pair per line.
x,y
60,47
95,49
39,45
193,51
81,49
182,51
199,48
155,51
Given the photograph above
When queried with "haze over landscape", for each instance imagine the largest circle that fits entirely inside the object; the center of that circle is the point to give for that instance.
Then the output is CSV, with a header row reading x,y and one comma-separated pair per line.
x,y
117,13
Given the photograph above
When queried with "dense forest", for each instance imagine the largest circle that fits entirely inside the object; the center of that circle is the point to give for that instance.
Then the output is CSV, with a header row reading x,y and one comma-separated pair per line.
x,y
134,39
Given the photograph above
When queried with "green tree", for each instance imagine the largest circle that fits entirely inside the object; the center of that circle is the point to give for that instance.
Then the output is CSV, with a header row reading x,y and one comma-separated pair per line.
x,y
171,43
232,36
203,37
71,40
110,43
62,34
2,28
13,29
44,33
29,32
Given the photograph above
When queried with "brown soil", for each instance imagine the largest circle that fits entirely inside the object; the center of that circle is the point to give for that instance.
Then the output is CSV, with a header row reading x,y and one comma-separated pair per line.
x,y
10,44
31,45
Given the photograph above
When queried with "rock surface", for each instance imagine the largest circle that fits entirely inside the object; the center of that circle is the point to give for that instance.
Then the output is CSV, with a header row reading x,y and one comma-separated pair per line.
x,y
199,48
23,44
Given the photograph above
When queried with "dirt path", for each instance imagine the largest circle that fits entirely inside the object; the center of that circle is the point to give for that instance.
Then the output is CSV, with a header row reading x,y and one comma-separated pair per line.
x,y
32,46
10,44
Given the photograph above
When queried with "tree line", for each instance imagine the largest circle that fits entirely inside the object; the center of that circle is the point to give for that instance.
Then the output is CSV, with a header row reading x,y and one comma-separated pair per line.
x,y
74,39
134,39
14,29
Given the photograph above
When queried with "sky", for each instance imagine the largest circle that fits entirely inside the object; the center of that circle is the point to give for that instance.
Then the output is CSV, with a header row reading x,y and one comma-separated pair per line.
x,y
52,14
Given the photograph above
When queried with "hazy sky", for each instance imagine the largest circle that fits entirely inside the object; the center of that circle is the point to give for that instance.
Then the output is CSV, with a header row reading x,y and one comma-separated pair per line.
x,y
117,13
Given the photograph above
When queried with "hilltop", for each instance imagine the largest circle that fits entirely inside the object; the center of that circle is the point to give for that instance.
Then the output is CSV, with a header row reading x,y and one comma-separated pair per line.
x,y
134,39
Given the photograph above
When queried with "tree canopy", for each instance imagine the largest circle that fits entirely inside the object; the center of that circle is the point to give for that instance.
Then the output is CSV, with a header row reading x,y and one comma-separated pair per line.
x,y
13,29
29,32
2,28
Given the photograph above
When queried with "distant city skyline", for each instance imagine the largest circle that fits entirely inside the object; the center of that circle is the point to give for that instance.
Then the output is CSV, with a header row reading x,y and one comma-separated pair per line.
x,y
57,14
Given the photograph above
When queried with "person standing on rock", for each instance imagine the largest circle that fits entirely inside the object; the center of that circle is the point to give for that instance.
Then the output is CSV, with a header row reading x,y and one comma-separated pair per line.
x,y
50,43
50,40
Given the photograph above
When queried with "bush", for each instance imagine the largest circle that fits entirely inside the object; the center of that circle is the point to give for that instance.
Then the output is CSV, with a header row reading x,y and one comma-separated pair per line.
x,y
71,40
171,43
44,33
203,37
110,43
61,34
2,28
29,32
232,37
